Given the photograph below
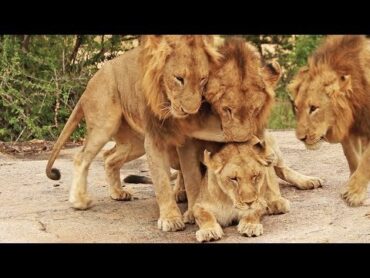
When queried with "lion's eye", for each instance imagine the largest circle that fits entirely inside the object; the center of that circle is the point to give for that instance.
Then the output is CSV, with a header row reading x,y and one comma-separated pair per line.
x,y
313,108
203,81
234,180
255,178
228,111
179,79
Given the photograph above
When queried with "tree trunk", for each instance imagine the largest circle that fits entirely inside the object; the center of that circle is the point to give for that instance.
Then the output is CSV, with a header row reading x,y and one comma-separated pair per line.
x,y
72,58
25,43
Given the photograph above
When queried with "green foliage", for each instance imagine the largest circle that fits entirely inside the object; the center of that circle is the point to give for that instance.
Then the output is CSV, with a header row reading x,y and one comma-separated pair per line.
x,y
42,78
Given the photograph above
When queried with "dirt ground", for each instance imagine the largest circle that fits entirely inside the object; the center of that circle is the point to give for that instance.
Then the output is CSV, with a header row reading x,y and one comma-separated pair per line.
x,y
36,209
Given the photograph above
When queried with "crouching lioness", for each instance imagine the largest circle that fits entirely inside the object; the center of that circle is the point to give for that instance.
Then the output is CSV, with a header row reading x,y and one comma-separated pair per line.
x,y
239,185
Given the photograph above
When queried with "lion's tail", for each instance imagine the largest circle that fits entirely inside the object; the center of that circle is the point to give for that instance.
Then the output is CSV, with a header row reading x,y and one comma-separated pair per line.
x,y
68,129
137,179
143,180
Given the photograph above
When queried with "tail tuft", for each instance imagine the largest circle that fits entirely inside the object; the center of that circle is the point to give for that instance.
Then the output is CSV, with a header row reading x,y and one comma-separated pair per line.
x,y
137,179
54,174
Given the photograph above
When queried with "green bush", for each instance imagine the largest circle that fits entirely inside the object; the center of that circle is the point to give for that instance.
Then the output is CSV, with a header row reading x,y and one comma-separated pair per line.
x,y
42,78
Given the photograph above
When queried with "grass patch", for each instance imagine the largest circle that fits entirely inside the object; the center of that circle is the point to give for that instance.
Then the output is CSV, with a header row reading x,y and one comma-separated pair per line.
x,y
282,115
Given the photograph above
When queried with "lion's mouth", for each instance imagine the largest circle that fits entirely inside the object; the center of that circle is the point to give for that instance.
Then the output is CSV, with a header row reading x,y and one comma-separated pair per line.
x,y
255,207
316,144
243,207
180,115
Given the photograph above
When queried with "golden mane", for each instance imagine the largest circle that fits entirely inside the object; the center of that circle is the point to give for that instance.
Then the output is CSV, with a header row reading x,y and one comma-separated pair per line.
x,y
343,55
347,56
154,53
251,70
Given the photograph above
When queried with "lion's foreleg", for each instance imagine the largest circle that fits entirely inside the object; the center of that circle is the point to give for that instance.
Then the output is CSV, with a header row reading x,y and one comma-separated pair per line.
x,y
352,149
354,193
180,191
275,202
250,225
210,130
209,228
190,167
170,218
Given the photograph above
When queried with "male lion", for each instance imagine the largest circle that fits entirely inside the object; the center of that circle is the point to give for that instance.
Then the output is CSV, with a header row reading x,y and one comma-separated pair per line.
x,y
153,90
239,185
241,91
332,103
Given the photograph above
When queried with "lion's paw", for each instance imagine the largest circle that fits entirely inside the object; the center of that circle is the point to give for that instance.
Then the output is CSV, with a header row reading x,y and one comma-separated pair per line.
x,y
83,202
171,224
353,195
250,229
121,195
188,217
279,206
210,234
310,183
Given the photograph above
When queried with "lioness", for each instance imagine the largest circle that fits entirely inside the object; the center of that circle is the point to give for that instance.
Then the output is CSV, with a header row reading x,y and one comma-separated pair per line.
x,y
239,185
147,100
332,103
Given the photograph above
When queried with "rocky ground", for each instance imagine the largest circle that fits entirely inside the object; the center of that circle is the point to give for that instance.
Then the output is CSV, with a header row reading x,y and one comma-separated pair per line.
x,y
36,209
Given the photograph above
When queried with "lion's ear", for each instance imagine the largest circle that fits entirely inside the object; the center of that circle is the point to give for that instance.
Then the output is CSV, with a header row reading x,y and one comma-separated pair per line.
x,y
295,84
272,73
207,158
212,163
257,143
345,82
212,52
263,152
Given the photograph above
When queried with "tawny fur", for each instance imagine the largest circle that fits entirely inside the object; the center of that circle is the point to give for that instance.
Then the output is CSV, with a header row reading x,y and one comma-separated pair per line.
x,y
139,93
237,188
241,91
332,100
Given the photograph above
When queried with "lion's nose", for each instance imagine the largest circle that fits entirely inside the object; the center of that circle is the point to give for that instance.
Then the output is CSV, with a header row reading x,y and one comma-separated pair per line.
x,y
303,138
186,111
248,203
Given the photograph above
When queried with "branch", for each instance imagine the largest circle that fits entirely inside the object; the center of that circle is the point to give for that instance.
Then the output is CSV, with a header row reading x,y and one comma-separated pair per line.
x,y
73,56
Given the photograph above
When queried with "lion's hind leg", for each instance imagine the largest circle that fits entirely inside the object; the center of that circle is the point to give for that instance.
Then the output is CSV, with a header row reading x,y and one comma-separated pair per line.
x,y
286,173
297,179
128,147
93,144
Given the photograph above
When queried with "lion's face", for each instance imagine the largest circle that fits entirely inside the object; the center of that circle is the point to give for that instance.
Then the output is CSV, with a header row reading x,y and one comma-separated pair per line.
x,y
316,100
185,76
240,174
177,72
241,91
